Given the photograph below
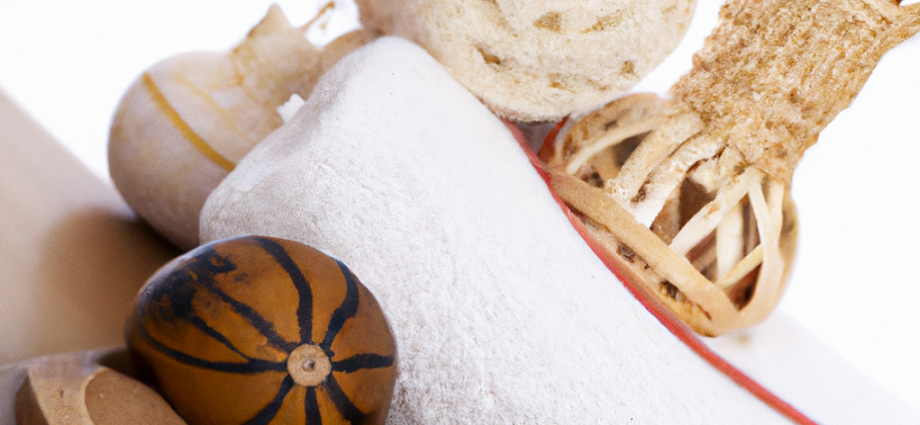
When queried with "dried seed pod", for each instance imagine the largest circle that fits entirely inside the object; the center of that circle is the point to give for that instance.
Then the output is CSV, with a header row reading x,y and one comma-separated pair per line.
x,y
255,330
692,192
75,388
186,122
538,60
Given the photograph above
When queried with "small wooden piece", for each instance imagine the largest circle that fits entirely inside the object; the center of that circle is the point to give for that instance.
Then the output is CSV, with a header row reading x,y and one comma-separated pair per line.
x,y
71,389
256,330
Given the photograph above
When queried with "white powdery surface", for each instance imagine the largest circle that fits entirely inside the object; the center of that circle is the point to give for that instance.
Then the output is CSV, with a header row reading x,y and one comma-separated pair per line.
x,y
501,312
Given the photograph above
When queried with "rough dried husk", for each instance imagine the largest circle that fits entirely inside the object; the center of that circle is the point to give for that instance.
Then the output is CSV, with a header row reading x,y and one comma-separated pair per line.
x,y
692,192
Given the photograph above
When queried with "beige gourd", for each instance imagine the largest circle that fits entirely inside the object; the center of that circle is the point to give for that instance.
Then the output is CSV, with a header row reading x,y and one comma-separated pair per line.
x,y
186,122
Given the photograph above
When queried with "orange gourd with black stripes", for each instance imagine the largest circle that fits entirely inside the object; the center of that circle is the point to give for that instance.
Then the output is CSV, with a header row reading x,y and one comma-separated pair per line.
x,y
256,330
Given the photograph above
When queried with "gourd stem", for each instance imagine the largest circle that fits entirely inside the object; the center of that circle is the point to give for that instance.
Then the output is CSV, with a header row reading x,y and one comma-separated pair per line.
x,y
321,13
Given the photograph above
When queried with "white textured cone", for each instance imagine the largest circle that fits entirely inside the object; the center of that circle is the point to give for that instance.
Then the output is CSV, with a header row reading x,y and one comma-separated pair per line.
x,y
502,313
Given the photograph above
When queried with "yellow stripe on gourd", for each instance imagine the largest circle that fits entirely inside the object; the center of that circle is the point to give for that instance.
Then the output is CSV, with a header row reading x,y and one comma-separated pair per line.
x,y
196,141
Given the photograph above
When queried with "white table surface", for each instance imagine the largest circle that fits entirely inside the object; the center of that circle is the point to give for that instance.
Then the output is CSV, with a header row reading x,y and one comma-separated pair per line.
x,y
67,64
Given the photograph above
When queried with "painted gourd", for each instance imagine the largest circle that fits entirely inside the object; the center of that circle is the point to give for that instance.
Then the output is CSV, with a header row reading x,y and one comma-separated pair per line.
x,y
186,122
261,330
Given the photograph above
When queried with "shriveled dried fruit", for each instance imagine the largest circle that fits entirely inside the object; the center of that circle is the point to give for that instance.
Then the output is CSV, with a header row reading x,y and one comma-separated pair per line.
x,y
693,191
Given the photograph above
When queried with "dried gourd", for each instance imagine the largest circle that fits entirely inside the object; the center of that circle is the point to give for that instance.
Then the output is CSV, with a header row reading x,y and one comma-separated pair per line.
x,y
186,122
262,330
692,192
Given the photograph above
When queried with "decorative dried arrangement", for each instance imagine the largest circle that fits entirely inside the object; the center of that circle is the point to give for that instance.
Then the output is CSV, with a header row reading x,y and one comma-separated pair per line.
x,y
692,192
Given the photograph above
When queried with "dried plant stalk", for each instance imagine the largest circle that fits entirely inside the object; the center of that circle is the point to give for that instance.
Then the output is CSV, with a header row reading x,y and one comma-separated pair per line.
x,y
692,192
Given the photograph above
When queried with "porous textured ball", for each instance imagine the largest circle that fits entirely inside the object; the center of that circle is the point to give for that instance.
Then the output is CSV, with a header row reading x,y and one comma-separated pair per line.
x,y
538,60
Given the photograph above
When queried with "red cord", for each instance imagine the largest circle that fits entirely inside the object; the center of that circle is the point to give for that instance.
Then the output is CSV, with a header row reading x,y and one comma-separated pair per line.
x,y
665,316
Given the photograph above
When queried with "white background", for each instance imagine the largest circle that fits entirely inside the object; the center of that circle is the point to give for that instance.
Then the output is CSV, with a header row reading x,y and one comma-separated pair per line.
x,y
67,63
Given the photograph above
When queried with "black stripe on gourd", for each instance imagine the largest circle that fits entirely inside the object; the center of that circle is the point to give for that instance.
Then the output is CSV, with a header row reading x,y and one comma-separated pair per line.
x,y
257,330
